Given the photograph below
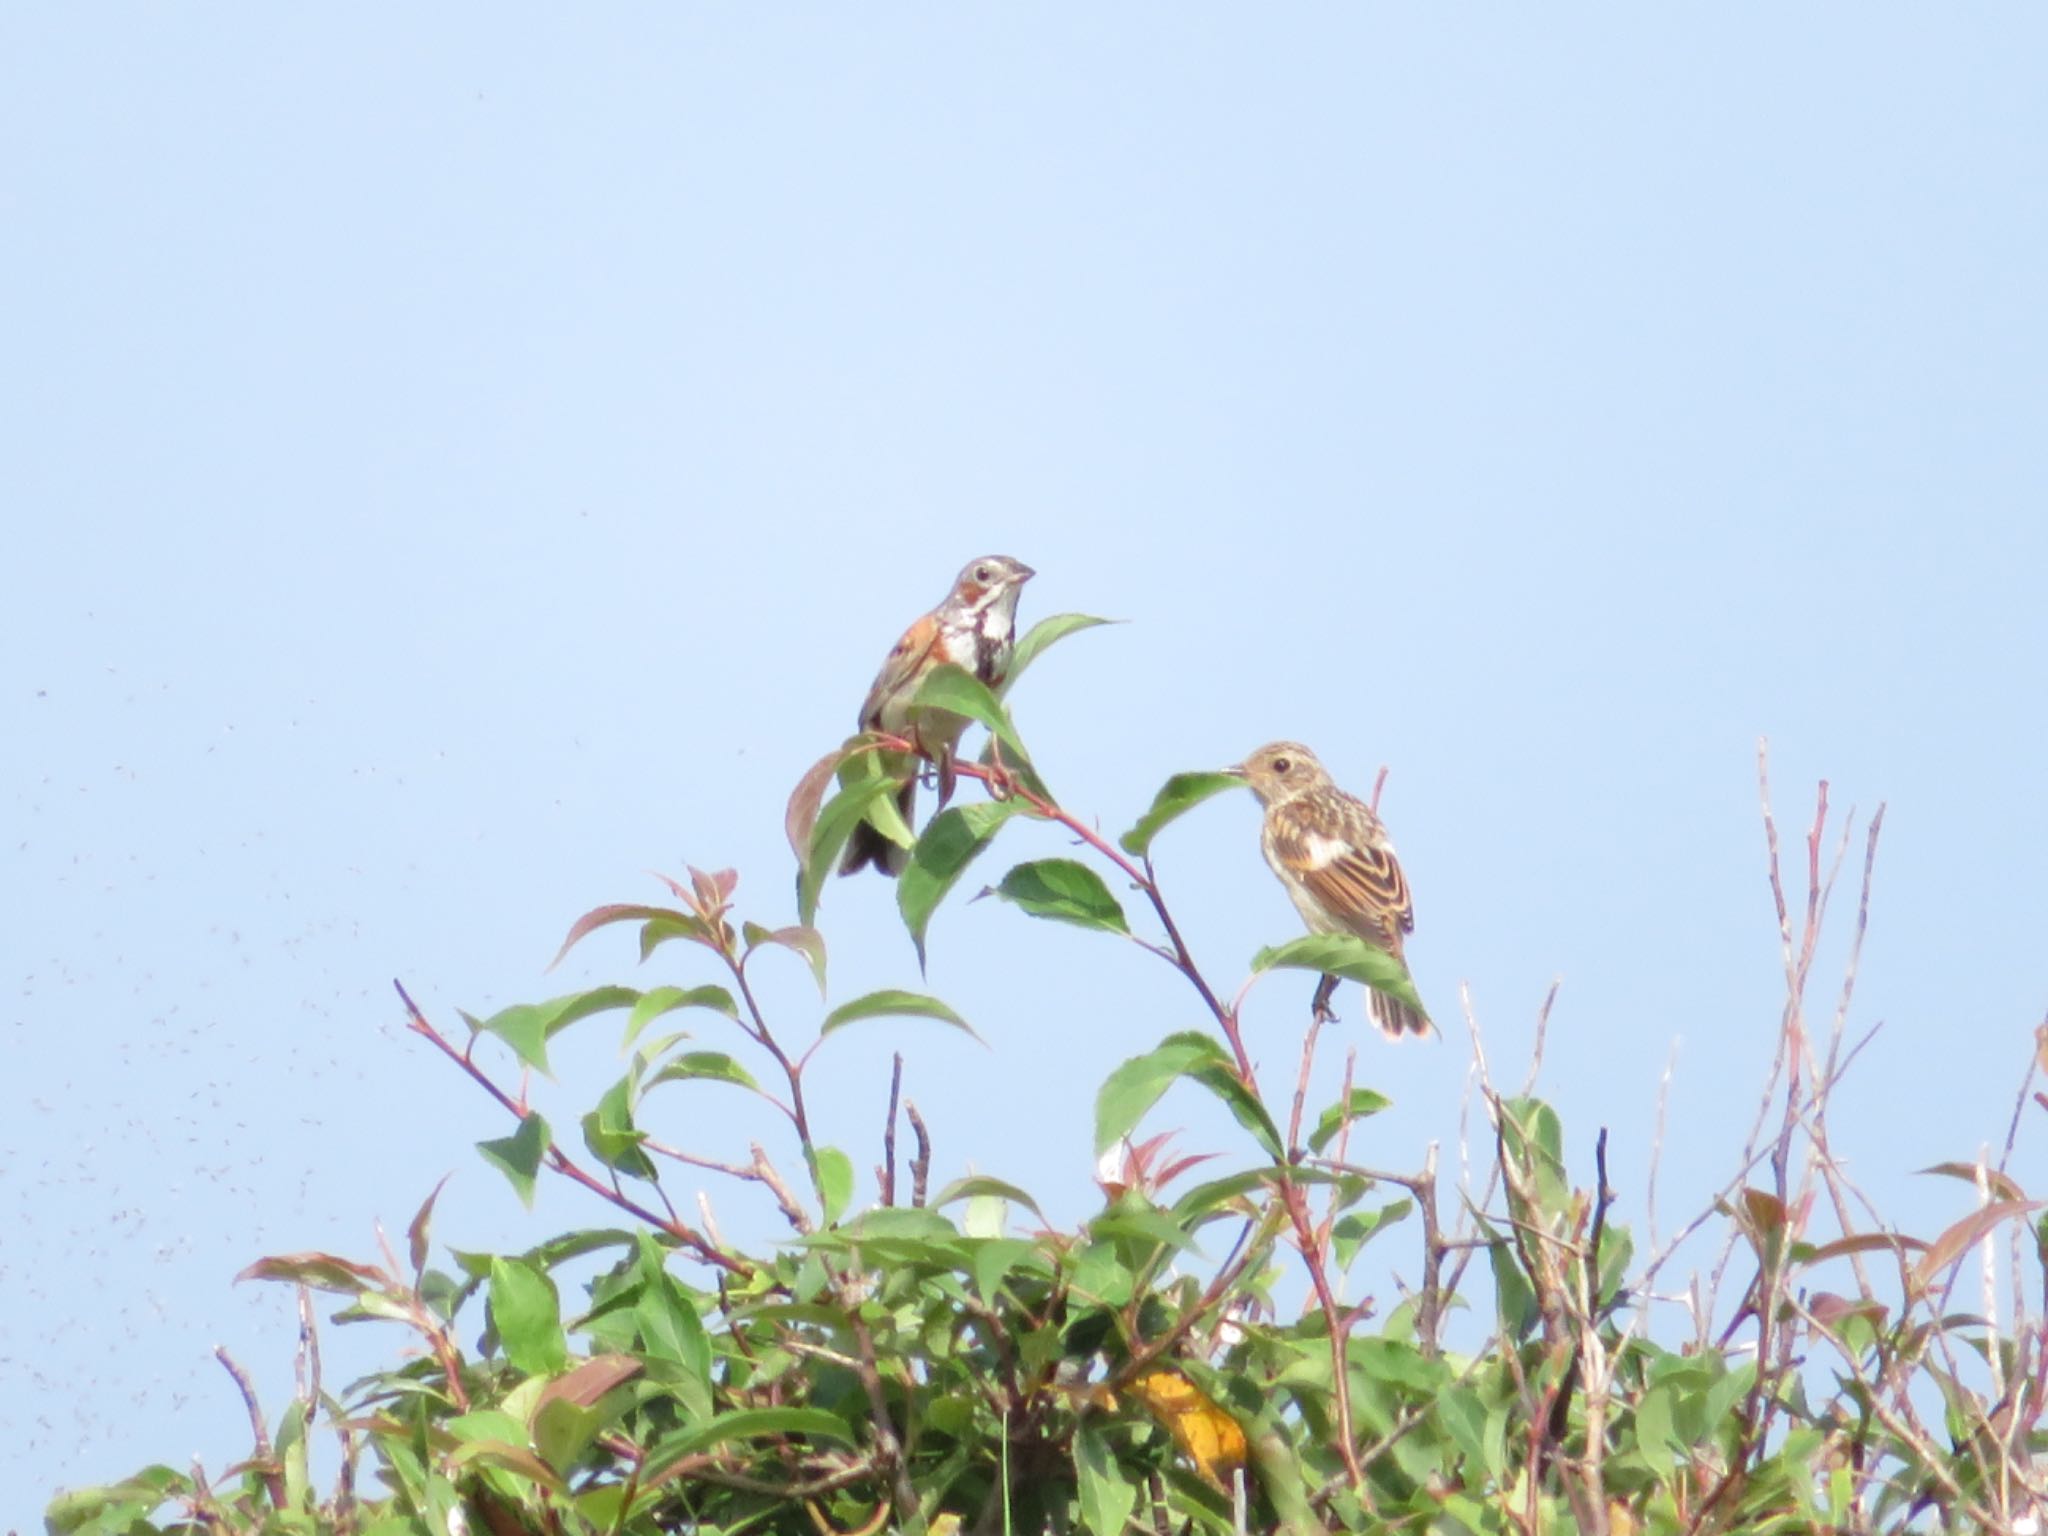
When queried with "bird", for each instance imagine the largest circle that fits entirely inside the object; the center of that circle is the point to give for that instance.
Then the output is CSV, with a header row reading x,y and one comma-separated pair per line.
x,y
1332,855
975,628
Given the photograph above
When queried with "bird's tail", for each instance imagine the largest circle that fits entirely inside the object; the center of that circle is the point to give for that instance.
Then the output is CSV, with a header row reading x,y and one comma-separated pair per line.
x,y
867,846
1395,1018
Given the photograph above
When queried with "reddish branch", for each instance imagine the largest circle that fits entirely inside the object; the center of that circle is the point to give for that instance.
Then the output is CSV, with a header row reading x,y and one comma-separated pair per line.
x,y
1293,1196
565,1165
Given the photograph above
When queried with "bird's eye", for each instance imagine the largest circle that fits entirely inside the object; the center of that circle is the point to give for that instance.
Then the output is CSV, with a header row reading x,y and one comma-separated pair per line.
x,y
1282,764
982,573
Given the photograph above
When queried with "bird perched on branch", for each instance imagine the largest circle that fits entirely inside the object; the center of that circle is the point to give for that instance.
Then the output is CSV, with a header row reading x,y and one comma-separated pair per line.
x,y
1333,855
975,628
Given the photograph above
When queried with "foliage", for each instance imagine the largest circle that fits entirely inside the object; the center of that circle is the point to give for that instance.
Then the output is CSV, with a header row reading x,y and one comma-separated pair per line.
x,y
918,1365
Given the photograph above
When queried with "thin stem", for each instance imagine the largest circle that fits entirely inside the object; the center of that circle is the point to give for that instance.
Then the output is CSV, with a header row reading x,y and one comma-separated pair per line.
x,y
561,1162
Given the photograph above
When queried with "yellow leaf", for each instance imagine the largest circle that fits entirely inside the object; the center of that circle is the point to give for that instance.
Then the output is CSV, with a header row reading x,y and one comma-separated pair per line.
x,y
1210,1437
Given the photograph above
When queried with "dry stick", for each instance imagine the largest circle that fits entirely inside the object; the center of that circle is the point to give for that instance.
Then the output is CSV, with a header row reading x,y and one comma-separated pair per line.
x,y
565,1165
1823,1159
1460,1241
2012,1134
888,1168
1657,1140
1784,1063
272,1474
921,1164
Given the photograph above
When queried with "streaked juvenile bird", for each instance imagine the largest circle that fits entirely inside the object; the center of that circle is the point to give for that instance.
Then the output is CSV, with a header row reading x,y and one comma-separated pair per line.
x,y
975,628
1334,858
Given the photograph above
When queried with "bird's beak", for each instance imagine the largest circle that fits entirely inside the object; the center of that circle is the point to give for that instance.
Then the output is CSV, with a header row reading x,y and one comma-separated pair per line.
x,y
1024,573
1235,770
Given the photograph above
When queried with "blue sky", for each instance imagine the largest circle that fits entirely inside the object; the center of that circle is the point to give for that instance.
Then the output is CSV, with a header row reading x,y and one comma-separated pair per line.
x,y
457,463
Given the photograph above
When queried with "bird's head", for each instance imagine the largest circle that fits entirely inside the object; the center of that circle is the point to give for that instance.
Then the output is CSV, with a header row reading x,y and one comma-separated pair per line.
x,y
1281,771
993,579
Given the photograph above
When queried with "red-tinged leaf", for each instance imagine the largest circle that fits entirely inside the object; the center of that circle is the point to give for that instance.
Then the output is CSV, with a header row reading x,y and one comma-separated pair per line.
x,y
802,814
807,942
1179,1166
1958,1239
588,1382
416,1233
1828,1308
1766,1211
322,1271
713,891
621,912
2002,1185
1864,1242
507,1457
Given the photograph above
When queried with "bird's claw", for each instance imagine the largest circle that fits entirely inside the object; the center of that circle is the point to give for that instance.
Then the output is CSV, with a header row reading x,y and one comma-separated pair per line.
x,y
1320,1008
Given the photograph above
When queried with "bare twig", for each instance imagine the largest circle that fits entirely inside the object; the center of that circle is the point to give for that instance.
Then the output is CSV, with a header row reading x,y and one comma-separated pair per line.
x,y
921,1164
888,1169
261,1455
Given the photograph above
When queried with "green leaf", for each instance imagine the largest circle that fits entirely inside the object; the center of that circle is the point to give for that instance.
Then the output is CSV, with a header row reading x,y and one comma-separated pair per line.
x,y
834,1172
563,1430
656,1001
1657,1440
1133,1088
1046,633
993,1262
1348,956
957,691
1179,795
673,1330
842,813
1107,1498
975,1184
519,1154
706,1066
892,1003
952,841
527,1315
745,1425
1221,1079
1360,1103
527,1027
611,1136
1136,1222
1066,891
1463,1416
807,942
1351,1231
115,1507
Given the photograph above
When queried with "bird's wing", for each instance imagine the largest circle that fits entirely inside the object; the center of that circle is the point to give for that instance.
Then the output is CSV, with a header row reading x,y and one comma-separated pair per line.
x,y
904,664
1347,864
